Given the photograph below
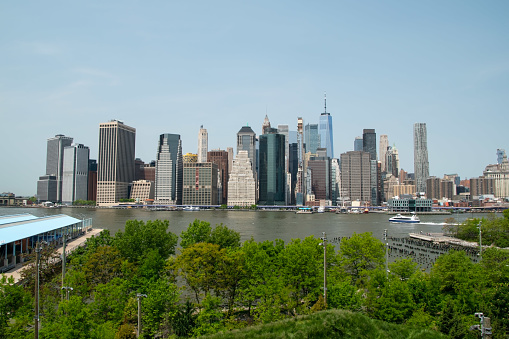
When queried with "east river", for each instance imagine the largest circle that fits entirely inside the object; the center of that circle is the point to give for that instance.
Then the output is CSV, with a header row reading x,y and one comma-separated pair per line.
x,y
261,225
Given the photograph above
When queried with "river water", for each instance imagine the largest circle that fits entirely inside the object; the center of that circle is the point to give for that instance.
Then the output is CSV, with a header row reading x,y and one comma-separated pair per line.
x,y
261,225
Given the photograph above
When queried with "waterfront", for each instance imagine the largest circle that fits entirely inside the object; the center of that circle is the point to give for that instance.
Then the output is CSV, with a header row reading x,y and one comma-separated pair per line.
x,y
261,225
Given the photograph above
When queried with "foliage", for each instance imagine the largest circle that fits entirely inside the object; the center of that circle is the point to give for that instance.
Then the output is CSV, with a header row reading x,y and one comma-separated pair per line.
x,y
126,331
14,302
83,203
200,231
139,238
403,268
210,318
159,307
184,320
224,237
359,254
103,265
344,295
494,230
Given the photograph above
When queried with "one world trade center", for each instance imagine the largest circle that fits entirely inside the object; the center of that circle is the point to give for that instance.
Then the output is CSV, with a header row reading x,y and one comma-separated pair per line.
x,y
326,139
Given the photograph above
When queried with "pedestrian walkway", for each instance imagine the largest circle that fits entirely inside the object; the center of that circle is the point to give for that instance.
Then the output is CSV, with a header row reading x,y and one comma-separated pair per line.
x,y
70,247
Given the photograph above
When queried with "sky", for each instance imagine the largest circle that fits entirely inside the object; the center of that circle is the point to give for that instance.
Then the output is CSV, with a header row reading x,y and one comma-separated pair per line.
x,y
172,66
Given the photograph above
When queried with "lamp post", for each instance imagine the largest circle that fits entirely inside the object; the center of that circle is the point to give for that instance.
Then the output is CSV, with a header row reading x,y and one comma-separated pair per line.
x,y
324,243
386,254
480,240
67,289
37,260
63,262
138,297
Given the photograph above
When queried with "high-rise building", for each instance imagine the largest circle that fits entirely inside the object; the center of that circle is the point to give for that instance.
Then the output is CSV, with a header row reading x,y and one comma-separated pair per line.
x,y
312,138
421,164
169,167
272,176
190,157
321,177
203,144
115,166
433,188
149,171
300,185
481,186
75,173
284,129
355,176
384,143
143,191
369,142
242,185
500,175
326,133
55,160
266,124
230,158
357,144
336,181
246,141
293,168
47,188
200,184
92,180
220,158
500,155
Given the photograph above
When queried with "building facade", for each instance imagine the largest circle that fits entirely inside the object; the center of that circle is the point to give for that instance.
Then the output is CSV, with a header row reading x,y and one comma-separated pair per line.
x,y
312,138
357,144
143,191
55,161
384,143
421,164
241,184
169,170
272,175
75,173
326,132
246,141
369,142
200,184
356,176
115,165
220,158
500,175
203,144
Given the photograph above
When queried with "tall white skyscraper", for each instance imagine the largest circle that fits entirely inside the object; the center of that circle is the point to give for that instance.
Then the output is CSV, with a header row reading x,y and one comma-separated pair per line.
x,y
203,144
75,173
55,159
241,185
115,165
169,170
384,143
421,164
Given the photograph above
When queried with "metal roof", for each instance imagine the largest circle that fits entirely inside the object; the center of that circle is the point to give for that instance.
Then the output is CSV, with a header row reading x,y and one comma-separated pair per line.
x,y
7,219
21,229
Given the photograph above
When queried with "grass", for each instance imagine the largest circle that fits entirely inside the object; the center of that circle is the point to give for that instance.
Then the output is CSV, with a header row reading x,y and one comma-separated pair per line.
x,y
331,324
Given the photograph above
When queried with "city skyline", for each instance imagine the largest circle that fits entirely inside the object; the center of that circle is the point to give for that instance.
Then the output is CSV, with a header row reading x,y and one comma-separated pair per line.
x,y
69,67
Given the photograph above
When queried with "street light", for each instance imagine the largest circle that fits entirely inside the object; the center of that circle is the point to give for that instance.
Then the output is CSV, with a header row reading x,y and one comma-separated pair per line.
x,y
480,240
324,243
36,317
67,289
138,297
386,254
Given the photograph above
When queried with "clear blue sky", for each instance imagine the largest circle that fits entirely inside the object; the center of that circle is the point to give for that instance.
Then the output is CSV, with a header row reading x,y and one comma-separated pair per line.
x,y
169,67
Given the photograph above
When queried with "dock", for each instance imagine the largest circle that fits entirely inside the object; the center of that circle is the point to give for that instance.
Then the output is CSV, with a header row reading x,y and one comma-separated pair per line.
x,y
440,238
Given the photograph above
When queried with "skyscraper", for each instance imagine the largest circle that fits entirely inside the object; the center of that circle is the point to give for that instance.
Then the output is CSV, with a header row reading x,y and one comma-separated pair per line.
x,y
75,173
169,170
369,142
200,183
357,144
300,185
203,144
242,185
355,176
55,160
421,164
220,158
115,166
246,140
384,143
326,134
312,138
272,168
266,124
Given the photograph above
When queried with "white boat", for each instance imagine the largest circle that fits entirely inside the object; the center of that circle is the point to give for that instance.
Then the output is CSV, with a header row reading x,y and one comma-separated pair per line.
x,y
321,209
304,210
191,208
405,219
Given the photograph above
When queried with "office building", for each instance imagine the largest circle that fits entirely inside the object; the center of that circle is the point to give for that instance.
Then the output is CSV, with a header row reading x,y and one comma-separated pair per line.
x,y
169,167
230,158
326,133
312,138
357,144
384,144
356,176
433,188
200,184
500,155
246,141
92,180
115,166
300,185
336,181
75,173
321,177
500,175
143,191
47,188
242,185
55,162
220,158
272,175
149,171
481,186
421,164
369,142
266,124
190,157
203,144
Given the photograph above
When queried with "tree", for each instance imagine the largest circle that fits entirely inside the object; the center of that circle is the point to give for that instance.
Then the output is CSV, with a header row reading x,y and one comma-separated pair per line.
x,y
109,301
14,302
403,268
359,254
230,272
198,231
198,265
224,237
103,265
139,238
159,307
393,303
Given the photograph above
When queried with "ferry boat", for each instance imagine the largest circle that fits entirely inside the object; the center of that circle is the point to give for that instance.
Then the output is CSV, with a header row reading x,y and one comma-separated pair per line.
x,y
304,210
191,208
405,219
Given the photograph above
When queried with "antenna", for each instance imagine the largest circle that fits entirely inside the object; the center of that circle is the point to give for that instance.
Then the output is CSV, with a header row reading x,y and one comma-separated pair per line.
x,y
325,99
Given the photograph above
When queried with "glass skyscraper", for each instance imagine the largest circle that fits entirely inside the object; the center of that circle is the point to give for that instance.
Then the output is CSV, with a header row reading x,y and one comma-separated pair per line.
x,y
312,138
272,169
169,170
326,134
